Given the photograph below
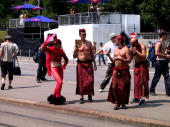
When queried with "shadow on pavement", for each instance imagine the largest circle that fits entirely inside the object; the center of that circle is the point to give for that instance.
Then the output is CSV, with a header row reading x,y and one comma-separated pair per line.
x,y
23,87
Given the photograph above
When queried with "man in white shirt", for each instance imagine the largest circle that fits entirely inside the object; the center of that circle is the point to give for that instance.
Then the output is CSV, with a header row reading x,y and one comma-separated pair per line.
x,y
109,46
7,53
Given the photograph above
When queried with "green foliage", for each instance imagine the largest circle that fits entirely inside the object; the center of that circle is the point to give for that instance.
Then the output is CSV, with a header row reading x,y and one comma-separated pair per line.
x,y
156,12
153,12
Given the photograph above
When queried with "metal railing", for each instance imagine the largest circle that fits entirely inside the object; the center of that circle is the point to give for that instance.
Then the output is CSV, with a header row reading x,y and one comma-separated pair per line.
x,y
15,23
90,18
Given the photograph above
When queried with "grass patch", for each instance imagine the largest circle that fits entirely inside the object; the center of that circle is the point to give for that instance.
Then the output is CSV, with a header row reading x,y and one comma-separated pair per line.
x,y
2,34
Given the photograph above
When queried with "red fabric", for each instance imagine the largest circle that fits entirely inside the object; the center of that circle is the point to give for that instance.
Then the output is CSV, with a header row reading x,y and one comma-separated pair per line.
x,y
141,77
57,73
85,79
56,55
48,64
120,88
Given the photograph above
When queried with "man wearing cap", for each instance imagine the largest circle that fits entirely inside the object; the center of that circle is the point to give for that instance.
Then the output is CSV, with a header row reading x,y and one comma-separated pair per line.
x,y
7,52
141,72
109,45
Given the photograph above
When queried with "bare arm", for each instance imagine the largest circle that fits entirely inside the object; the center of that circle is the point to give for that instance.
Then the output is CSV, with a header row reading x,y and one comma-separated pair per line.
x,y
142,53
0,54
75,53
108,54
92,56
99,51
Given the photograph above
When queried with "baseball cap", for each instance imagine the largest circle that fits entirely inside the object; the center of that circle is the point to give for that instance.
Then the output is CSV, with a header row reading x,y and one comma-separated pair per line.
x,y
112,35
7,37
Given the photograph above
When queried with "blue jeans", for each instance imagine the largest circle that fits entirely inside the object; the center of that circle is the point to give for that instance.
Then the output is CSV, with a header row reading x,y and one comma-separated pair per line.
x,y
102,56
161,67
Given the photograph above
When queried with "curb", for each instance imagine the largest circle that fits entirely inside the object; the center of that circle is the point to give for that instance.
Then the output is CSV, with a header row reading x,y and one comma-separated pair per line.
x,y
93,113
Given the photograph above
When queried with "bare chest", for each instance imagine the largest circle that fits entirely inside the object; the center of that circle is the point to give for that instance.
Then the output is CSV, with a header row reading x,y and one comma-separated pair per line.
x,y
120,52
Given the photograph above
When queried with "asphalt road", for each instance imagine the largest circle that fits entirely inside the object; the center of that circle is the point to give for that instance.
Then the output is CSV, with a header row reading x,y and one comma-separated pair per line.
x,y
26,116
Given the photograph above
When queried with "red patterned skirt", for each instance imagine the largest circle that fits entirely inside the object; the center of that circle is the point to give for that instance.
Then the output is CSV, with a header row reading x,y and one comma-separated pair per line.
x,y
119,91
141,78
85,78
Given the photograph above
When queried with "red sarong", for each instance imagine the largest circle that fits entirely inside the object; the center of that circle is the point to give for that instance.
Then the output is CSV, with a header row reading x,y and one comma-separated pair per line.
x,y
85,79
141,77
120,88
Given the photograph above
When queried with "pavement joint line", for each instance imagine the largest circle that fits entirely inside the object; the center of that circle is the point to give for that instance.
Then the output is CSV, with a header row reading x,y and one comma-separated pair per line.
x,y
95,113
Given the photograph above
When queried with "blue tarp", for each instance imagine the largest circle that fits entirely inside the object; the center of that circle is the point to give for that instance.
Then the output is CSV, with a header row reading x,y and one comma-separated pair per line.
x,y
27,7
40,18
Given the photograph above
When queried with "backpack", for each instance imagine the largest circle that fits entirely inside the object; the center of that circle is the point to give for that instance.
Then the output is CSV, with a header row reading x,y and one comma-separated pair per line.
x,y
152,56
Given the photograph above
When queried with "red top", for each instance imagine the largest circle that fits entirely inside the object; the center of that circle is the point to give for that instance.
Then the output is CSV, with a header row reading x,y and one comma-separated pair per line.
x,y
57,55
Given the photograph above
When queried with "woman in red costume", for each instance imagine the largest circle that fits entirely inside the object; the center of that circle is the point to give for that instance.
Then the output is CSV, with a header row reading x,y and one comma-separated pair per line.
x,y
56,54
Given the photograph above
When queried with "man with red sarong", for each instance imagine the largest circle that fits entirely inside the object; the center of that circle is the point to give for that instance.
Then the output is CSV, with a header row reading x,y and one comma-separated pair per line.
x,y
85,74
120,88
56,54
141,73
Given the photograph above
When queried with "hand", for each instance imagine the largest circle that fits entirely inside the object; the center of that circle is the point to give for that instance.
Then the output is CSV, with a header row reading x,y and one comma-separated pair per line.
x,y
134,50
168,56
64,67
107,52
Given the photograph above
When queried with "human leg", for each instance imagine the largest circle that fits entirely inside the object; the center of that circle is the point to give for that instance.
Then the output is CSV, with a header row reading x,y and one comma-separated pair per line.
x,y
58,76
103,59
156,77
99,60
108,75
10,74
165,72
3,74
39,72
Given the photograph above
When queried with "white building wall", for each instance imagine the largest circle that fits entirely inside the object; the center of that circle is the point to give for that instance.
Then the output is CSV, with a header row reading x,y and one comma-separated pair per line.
x,y
95,32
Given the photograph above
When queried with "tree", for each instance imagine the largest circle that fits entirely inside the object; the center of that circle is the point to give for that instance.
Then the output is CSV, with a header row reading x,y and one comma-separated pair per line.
x,y
156,13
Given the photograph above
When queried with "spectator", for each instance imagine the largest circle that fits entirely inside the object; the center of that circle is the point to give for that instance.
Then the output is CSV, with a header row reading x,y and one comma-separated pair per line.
x,y
7,53
21,22
101,54
98,13
25,16
42,70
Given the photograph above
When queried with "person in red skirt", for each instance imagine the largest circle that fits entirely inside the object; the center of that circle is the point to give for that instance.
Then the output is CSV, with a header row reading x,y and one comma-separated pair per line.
x,y
85,75
141,72
56,54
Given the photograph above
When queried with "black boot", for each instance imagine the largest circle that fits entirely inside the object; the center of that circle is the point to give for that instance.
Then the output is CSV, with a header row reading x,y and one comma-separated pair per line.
x,y
59,100
3,86
81,100
90,98
50,99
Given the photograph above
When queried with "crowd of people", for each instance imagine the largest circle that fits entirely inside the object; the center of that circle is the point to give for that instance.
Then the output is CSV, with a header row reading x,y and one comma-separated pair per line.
x,y
119,56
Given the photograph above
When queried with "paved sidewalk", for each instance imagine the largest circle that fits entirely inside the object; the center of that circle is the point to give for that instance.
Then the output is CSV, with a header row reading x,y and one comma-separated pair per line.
x,y
155,112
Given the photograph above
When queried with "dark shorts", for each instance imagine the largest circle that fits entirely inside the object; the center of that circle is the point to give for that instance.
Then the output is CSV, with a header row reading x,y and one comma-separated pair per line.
x,y
7,67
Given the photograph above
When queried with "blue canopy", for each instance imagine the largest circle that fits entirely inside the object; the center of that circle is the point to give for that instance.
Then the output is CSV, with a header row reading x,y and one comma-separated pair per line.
x,y
40,18
27,7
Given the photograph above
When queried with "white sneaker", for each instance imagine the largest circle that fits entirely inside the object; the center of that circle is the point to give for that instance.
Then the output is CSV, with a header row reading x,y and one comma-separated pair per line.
x,y
100,90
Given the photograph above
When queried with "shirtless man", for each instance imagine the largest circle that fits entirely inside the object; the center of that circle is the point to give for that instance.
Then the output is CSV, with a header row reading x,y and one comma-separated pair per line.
x,y
161,65
85,73
141,73
120,88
